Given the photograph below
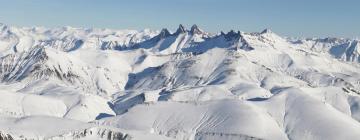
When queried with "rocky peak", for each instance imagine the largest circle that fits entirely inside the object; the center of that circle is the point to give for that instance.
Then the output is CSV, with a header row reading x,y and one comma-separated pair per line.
x,y
266,31
180,30
231,35
164,33
195,30
4,136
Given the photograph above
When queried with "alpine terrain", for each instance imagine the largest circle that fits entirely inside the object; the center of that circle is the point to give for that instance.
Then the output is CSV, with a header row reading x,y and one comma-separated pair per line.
x,y
76,83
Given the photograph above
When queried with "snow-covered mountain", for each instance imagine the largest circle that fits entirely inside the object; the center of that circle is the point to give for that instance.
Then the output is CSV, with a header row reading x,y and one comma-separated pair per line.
x,y
74,83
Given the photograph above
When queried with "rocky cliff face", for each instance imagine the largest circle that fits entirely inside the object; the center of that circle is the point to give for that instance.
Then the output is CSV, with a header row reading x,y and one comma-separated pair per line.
x,y
4,136
99,133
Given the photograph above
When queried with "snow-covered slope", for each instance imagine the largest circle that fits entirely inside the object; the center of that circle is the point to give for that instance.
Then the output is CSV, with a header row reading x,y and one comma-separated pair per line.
x,y
74,83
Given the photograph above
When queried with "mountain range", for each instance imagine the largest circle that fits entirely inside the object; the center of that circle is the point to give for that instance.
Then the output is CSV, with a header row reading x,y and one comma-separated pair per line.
x,y
77,83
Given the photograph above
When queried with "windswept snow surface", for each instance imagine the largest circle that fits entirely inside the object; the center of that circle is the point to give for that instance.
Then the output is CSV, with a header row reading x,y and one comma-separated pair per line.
x,y
74,83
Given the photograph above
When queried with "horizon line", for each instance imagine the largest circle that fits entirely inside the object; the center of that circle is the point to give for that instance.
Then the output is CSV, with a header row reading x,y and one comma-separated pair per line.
x,y
173,31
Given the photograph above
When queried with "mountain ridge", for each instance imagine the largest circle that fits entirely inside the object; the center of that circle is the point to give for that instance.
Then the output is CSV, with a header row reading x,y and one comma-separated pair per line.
x,y
186,84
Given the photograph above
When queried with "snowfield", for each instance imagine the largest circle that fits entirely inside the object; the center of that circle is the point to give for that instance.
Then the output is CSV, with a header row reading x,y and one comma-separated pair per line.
x,y
74,83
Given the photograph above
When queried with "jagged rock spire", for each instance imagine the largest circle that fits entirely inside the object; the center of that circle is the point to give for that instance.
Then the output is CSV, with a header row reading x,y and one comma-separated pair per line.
x,y
164,33
222,33
232,35
195,30
180,30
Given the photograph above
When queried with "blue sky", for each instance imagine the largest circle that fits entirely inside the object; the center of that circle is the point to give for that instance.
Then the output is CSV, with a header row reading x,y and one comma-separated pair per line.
x,y
298,18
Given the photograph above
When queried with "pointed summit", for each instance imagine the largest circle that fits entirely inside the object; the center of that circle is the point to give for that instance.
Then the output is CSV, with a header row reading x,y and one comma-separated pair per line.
x,y
180,30
266,31
222,33
164,33
195,30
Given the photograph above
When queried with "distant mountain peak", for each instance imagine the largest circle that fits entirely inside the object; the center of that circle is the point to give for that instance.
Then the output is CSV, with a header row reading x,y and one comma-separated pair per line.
x,y
266,31
195,30
180,30
222,33
231,35
164,33
3,26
